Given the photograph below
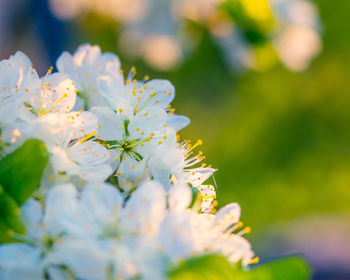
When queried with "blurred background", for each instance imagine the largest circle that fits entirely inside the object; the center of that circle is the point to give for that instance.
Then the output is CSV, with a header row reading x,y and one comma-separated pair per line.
x,y
266,84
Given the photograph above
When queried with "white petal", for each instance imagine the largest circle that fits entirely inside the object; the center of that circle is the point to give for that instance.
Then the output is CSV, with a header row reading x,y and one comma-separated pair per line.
x,y
83,123
180,197
62,211
163,90
101,203
111,124
94,172
160,172
65,64
20,262
85,259
176,237
227,216
148,121
57,96
32,214
61,161
178,122
145,209
88,153
130,168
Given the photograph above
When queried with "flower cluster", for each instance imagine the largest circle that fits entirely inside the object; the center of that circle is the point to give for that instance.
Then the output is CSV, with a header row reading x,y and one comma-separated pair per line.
x,y
121,197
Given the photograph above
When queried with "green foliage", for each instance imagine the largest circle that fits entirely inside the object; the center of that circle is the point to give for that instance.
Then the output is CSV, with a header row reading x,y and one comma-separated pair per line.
x,y
210,267
216,267
21,171
9,221
291,268
20,175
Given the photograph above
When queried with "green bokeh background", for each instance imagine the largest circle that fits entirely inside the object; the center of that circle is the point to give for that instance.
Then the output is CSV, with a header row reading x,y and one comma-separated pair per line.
x,y
280,140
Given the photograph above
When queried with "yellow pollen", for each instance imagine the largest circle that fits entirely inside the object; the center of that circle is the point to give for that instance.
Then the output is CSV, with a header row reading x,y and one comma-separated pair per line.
x,y
165,137
122,127
254,260
133,167
117,159
248,230
160,142
88,136
120,110
239,224
133,70
119,173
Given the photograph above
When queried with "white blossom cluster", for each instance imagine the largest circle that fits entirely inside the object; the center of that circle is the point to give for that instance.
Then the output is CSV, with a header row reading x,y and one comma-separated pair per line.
x,y
155,30
121,197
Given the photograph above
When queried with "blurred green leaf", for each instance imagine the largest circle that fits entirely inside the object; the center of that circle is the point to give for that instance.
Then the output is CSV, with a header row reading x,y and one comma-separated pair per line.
x,y
20,176
216,267
21,171
9,221
291,268
210,267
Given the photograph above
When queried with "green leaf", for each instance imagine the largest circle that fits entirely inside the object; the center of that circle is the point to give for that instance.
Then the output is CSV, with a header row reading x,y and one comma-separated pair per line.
x,y
21,171
215,267
20,176
209,267
291,268
9,221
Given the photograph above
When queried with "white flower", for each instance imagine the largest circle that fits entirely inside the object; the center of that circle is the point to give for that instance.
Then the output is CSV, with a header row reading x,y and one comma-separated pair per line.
x,y
298,40
53,93
84,68
17,78
178,162
69,139
77,258
132,96
132,141
95,214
